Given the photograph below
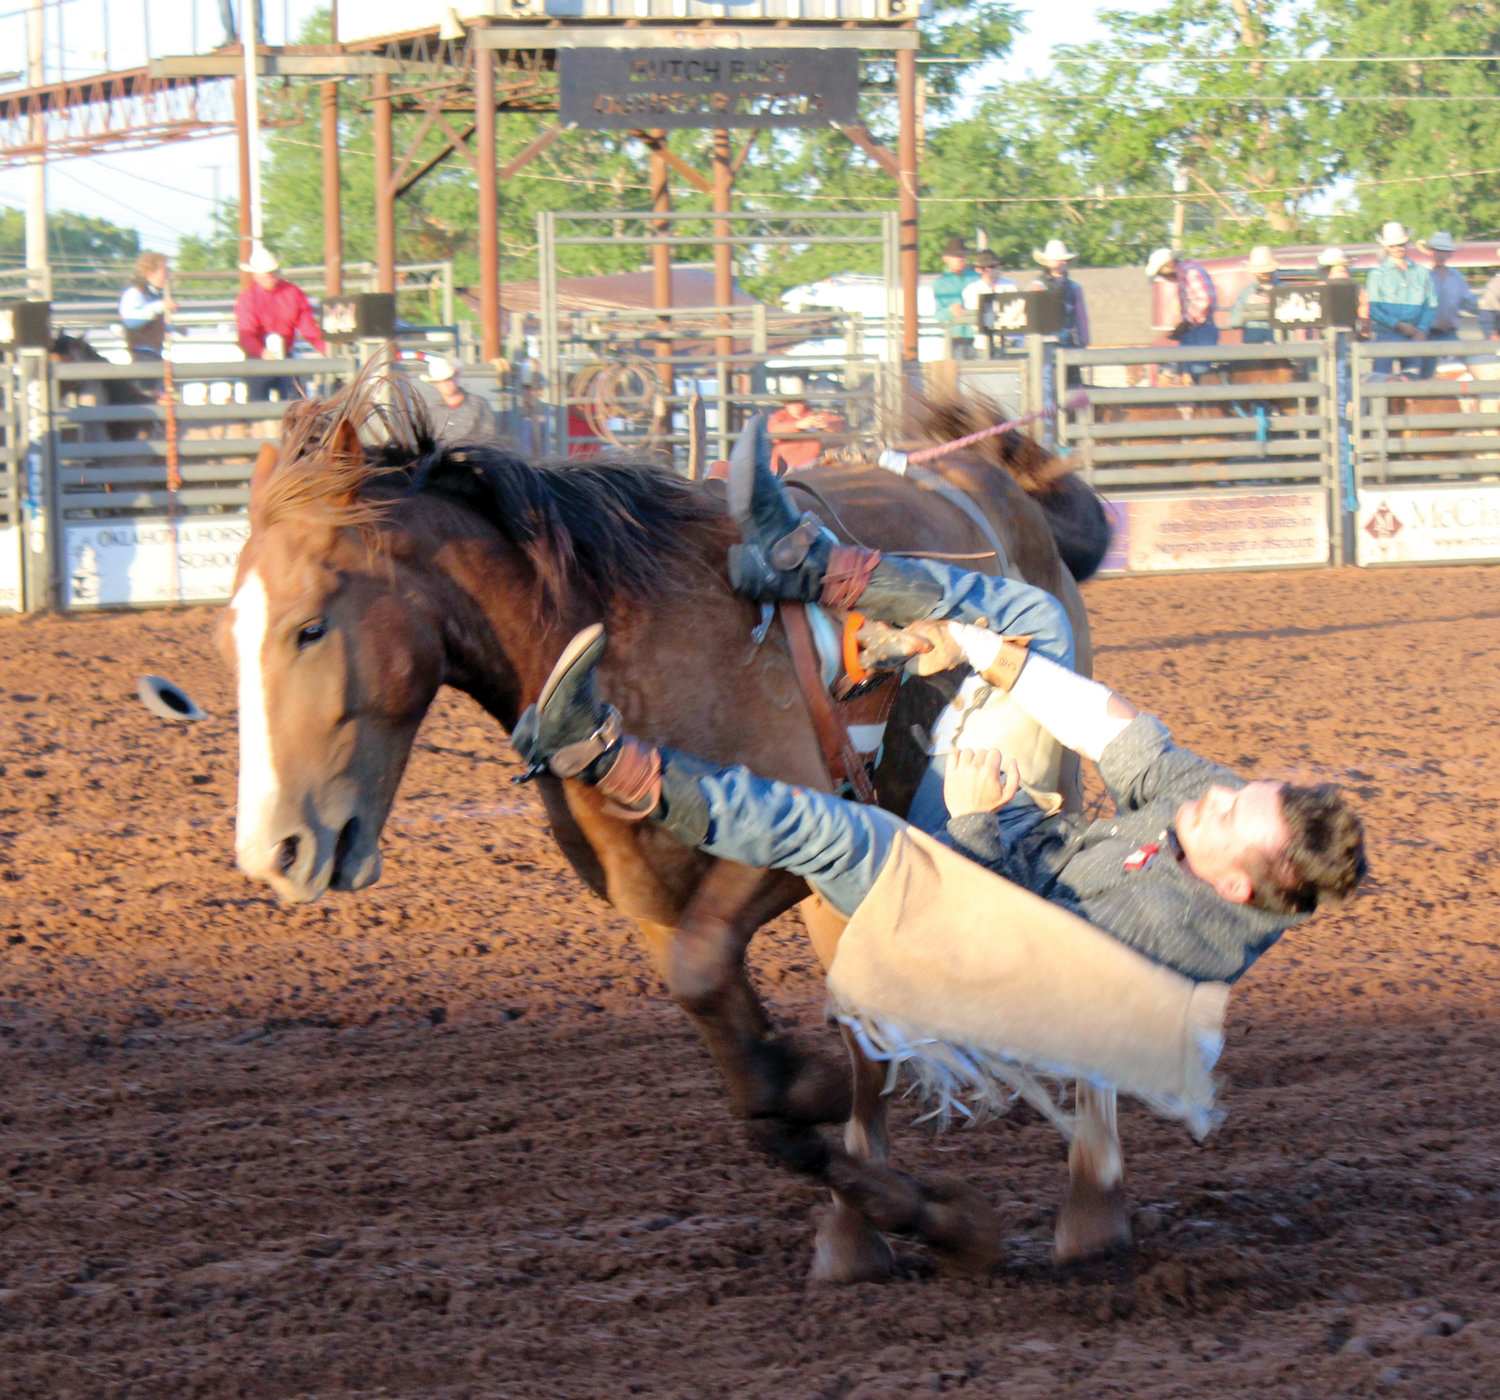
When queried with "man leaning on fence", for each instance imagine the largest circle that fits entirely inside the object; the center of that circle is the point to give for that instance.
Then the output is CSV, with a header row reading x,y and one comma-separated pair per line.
x,y
1403,304
1196,302
1455,297
947,296
1251,313
270,314
144,308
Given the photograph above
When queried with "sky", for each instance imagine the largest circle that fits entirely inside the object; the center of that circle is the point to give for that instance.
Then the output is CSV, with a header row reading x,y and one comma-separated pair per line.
x,y
169,191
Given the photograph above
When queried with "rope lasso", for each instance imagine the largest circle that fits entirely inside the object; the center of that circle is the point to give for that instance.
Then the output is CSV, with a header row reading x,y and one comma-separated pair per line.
x,y
897,462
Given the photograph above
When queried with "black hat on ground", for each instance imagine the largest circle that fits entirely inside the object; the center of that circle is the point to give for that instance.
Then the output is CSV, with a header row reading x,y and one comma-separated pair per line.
x,y
166,700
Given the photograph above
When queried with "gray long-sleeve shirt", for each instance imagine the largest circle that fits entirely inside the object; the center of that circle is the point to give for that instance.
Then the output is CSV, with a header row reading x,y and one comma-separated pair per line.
x,y
1121,873
472,421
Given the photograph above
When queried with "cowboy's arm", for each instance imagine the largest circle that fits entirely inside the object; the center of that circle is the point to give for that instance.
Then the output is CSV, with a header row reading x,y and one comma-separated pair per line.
x,y
1427,311
307,324
252,337
1240,307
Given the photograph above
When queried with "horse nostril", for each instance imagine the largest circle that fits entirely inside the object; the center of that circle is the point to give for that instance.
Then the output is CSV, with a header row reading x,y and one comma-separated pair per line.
x,y
286,854
345,843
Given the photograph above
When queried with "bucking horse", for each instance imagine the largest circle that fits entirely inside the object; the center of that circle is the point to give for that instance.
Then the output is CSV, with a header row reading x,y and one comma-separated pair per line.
x,y
383,564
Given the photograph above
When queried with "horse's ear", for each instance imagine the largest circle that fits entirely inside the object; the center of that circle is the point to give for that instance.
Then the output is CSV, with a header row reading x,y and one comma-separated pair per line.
x,y
265,465
345,446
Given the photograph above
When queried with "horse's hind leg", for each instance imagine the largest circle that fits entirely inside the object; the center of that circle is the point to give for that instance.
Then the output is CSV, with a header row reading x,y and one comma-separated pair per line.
x,y
1093,1218
848,1248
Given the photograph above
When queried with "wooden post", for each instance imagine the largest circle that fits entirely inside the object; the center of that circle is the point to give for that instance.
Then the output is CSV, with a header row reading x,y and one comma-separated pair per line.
x,y
489,205
333,227
723,251
242,131
661,256
906,156
385,194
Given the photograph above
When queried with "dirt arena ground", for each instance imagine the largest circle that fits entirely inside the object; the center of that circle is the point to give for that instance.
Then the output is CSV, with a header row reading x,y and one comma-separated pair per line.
x,y
449,1139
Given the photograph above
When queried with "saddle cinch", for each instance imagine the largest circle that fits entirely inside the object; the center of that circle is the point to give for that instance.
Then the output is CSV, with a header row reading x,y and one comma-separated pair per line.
x,y
851,709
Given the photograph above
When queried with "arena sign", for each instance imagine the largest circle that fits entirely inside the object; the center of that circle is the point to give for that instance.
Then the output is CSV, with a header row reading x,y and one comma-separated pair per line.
x,y
10,568
1225,530
1428,524
626,89
122,563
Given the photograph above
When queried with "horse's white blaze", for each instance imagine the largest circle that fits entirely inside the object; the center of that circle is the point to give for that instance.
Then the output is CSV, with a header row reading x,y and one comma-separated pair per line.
x,y
258,784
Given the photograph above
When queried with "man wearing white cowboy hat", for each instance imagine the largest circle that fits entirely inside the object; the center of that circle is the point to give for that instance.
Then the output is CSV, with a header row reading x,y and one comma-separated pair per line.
x,y
270,314
1196,302
1402,300
1450,286
1054,260
1252,308
469,418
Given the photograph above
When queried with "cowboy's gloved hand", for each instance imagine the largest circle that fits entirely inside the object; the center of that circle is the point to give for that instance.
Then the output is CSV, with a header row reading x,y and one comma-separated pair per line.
x,y
943,653
886,648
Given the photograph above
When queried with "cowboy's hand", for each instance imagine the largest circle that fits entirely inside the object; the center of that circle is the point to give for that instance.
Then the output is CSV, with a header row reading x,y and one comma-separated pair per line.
x,y
979,780
943,652
886,648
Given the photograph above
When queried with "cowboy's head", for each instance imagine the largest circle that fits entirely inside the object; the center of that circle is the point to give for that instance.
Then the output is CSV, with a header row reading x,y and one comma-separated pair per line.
x,y
1161,263
1396,241
1277,846
1054,258
1262,264
1334,262
443,376
987,265
955,254
264,267
1442,247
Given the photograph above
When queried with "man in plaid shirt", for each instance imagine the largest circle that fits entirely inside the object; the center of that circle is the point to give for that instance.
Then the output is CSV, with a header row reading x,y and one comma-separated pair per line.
x,y
1196,302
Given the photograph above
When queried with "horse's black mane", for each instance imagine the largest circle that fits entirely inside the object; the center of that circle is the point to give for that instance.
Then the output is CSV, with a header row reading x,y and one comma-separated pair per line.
x,y
604,528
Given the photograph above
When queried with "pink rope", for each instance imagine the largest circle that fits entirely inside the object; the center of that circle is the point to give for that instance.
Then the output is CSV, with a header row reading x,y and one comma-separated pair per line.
x,y
1072,403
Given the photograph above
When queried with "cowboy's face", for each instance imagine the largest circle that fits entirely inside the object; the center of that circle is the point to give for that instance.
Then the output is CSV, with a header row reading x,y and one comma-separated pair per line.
x,y
264,280
1397,252
1440,257
955,262
158,278
1227,831
1265,276
449,390
991,275
1054,267
1168,268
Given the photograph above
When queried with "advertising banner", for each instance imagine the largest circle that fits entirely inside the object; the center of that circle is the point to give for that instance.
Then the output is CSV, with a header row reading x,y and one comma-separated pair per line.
x,y
1220,530
1418,524
112,563
10,568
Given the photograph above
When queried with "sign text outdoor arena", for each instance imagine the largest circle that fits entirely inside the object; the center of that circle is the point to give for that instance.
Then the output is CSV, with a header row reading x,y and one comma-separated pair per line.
x,y
626,89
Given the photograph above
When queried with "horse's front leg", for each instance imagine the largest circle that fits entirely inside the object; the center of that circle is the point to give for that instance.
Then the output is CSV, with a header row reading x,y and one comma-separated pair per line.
x,y
1093,1218
848,1248
703,962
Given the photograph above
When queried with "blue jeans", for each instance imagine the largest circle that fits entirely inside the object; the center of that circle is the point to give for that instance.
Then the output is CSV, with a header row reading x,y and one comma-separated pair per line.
x,y
839,847
1421,366
1206,334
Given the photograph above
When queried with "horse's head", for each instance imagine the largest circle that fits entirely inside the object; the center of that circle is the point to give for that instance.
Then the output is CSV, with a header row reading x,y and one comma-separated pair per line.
x,y
338,659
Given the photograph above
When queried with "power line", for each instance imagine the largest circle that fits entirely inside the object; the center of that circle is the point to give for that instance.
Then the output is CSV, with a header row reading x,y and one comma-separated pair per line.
x,y
1144,60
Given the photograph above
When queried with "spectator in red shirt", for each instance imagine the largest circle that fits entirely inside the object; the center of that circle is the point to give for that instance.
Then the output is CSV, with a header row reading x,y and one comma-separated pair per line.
x,y
795,429
270,313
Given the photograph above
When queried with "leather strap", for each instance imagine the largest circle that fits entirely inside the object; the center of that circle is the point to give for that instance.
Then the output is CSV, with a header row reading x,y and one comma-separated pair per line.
x,y
843,762
570,760
847,576
633,784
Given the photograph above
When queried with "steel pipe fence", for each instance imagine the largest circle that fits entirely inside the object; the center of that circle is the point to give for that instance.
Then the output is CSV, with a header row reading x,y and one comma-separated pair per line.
x,y
1332,463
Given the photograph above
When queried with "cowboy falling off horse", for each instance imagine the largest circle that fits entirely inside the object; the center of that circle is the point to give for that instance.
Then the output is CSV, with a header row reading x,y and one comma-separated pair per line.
x,y
994,943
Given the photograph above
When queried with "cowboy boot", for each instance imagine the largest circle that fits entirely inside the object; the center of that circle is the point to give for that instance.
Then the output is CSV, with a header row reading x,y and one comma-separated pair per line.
x,y
792,558
572,732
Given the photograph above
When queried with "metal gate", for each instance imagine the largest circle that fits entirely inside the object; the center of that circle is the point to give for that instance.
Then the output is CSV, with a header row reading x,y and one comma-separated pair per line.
x,y
1211,475
656,360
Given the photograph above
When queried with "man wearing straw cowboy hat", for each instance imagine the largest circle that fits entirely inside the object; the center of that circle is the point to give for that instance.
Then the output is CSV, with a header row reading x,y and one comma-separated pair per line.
x,y
1074,335
1054,260
270,314
1403,303
1018,938
469,418
1196,302
1251,312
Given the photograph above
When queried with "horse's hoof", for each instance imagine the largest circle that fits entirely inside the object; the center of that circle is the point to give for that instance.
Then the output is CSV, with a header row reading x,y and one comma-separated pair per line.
x,y
849,1250
1092,1221
960,1226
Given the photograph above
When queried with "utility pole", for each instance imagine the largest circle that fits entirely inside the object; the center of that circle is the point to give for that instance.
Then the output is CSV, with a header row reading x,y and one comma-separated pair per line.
x,y
249,29
1179,207
37,266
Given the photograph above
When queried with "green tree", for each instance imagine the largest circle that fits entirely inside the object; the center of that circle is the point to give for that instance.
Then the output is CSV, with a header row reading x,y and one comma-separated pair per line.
x,y
77,241
1419,123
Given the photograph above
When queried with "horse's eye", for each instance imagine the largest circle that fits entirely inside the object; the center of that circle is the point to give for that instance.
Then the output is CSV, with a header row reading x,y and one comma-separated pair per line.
x,y
311,633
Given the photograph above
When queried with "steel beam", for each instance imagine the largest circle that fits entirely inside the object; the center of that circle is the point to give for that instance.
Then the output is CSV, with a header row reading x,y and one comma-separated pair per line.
x,y
489,205
333,224
665,36
385,191
906,90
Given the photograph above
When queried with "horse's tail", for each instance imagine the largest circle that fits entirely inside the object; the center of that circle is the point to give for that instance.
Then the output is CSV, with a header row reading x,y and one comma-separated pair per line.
x,y
1074,512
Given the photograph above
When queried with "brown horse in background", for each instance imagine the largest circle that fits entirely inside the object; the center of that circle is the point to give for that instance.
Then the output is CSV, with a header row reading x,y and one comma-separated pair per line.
x,y
375,575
